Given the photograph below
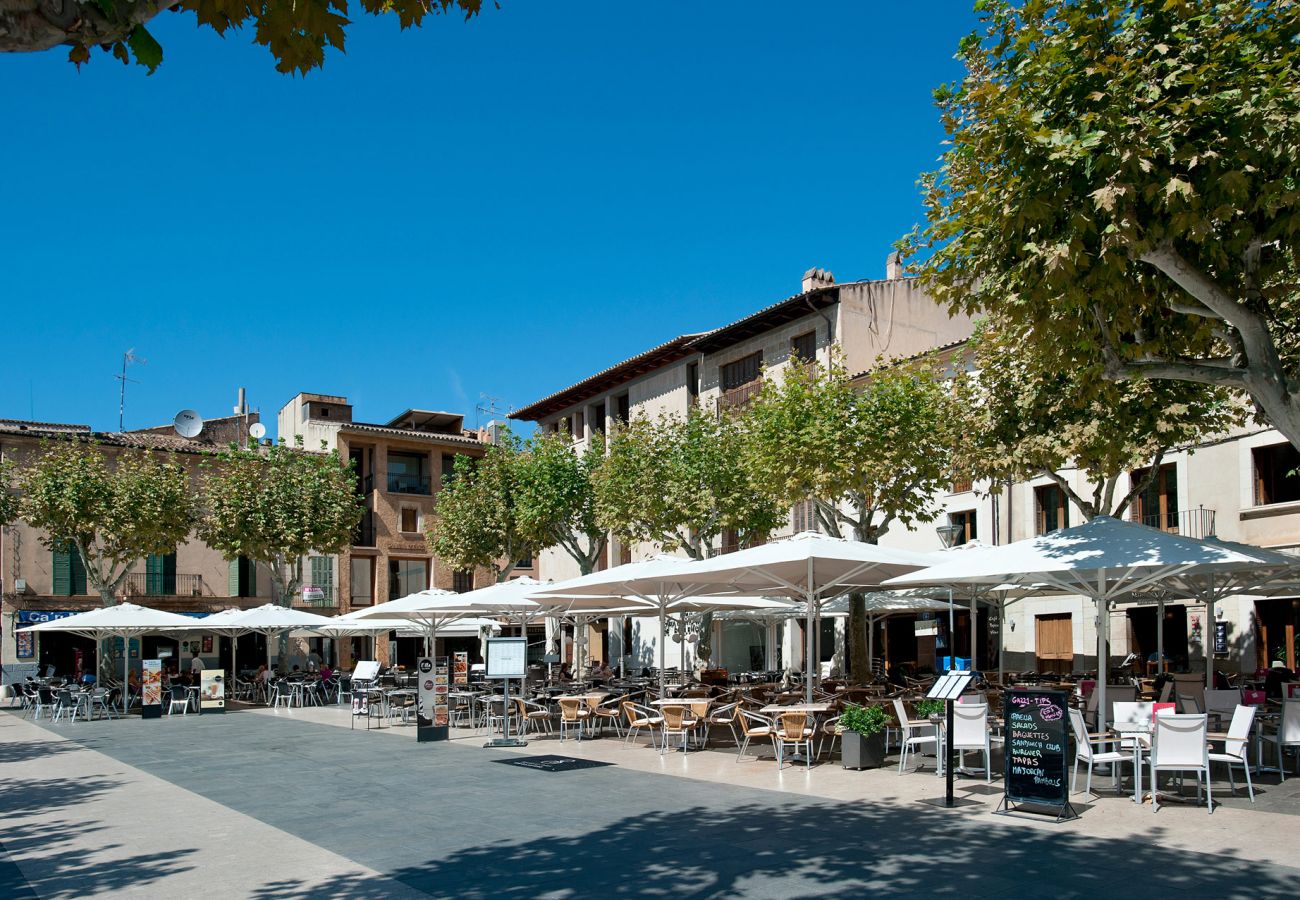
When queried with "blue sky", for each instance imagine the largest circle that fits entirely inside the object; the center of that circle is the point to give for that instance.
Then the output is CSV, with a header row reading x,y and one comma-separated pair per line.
x,y
499,207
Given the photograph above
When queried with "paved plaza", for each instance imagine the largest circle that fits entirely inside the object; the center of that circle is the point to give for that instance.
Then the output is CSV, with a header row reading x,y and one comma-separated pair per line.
x,y
259,804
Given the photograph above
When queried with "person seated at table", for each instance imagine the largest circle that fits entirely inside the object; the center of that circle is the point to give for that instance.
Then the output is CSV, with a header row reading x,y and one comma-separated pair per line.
x,y
263,674
325,672
1278,675
87,679
566,674
133,681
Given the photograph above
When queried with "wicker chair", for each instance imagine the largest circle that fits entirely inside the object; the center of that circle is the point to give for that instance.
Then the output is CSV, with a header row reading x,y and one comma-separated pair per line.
x,y
608,712
678,721
794,728
533,716
639,717
752,725
724,715
573,712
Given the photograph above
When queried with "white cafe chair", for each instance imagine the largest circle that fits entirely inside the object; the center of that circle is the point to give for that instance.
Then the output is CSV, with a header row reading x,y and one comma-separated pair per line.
x,y
1287,735
1085,751
915,733
1179,745
1235,747
970,732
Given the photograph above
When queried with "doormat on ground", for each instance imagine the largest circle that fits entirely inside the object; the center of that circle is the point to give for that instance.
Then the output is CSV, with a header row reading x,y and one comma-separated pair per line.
x,y
552,763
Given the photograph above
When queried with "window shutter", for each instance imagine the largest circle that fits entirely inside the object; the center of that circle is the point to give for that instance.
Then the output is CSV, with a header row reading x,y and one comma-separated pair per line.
x,y
250,568
232,577
153,575
78,573
322,575
62,574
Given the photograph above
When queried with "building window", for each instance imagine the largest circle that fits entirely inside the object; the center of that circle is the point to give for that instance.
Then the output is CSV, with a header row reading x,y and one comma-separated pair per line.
x,y
804,347
361,586
579,426
692,381
596,414
410,519
1052,508
1276,477
960,485
160,575
462,582
242,578
69,573
966,521
407,576
322,576
408,473
524,562
622,409
742,371
803,516
1157,505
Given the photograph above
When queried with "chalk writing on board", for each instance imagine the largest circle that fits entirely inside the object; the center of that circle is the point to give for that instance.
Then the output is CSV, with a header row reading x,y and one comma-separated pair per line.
x,y
1036,747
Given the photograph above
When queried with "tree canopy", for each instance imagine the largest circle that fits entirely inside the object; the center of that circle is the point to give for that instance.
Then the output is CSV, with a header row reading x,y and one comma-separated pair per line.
x,y
1121,180
556,498
296,32
275,506
680,482
865,456
1021,422
8,499
112,510
476,521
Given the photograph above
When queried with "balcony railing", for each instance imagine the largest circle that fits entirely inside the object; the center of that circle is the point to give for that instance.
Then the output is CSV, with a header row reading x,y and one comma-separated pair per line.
x,y
1193,523
142,584
737,397
317,602
364,534
402,483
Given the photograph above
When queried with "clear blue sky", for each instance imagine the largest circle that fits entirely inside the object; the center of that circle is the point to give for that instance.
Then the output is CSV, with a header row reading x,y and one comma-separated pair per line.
x,y
497,207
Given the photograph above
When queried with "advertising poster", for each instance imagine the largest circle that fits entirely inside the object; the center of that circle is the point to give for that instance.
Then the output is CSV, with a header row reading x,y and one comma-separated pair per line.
x,y
461,667
212,691
432,699
151,688
25,643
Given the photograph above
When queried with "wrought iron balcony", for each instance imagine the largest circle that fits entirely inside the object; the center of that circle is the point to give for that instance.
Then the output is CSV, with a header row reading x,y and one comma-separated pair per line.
x,y
1193,523
142,584
403,483
738,397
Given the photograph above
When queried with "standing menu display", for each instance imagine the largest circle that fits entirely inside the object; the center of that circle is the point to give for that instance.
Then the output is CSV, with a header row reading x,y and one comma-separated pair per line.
x,y
1037,748
212,691
151,688
431,702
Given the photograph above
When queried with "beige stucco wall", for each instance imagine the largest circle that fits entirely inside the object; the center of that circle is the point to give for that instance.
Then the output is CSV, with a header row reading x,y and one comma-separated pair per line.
x,y
893,319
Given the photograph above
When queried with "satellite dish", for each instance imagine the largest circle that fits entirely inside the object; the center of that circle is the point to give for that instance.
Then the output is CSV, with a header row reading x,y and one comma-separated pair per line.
x,y
257,431
188,423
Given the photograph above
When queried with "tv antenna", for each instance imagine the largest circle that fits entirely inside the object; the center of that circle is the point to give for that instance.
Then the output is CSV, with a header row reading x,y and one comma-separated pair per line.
x,y
128,358
488,406
188,423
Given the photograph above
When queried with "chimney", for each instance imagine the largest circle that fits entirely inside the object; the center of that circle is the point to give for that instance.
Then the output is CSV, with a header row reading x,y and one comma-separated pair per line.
x,y
816,278
894,266
241,407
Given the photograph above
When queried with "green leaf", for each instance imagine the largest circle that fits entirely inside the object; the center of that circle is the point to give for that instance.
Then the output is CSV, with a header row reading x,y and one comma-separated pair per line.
x,y
147,51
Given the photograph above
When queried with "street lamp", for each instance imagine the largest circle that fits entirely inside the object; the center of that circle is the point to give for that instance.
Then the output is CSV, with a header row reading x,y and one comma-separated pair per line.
x,y
948,535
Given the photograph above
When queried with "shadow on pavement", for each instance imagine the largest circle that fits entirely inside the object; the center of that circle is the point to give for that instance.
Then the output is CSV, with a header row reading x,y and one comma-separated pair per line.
x,y
813,851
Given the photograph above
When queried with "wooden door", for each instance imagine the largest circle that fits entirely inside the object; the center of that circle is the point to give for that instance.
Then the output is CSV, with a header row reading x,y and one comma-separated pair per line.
x,y
1054,643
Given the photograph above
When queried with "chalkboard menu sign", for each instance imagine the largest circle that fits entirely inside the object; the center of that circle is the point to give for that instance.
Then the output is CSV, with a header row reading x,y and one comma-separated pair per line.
x,y
1037,747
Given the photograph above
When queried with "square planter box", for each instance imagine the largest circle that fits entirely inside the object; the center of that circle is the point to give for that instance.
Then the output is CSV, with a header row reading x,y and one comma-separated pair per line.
x,y
860,752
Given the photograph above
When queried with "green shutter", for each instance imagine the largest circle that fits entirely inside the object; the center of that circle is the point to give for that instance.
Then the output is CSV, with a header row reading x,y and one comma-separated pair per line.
x,y
232,578
78,574
62,574
250,572
322,575
160,574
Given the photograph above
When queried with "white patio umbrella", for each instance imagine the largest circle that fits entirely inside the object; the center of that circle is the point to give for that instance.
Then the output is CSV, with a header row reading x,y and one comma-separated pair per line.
x,y
124,620
1102,559
883,604
269,619
809,567
352,624
653,582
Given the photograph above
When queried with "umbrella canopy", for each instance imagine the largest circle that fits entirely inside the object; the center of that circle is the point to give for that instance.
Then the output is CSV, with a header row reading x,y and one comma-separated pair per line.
x,y
269,618
124,620
808,567
507,598
1102,559
654,583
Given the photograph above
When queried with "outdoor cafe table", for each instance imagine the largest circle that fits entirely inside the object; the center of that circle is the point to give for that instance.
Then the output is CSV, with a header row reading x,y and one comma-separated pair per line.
x,y
777,709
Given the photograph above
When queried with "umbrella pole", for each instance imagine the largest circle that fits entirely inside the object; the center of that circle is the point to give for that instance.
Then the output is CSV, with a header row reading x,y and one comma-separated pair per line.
x,y
1103,670
808,636
126,672
951,642
1002,628
234,662
974,655
663,638
1160,634
1209,642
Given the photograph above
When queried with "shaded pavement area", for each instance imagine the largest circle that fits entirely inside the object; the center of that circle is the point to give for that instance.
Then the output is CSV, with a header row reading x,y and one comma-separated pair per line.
x,y
446,821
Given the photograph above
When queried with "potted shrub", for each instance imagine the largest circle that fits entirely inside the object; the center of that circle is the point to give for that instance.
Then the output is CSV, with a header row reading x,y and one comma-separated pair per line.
x,y
862,736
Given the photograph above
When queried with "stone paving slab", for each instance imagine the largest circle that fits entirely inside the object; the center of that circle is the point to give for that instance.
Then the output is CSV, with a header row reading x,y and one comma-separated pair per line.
x,y
445,821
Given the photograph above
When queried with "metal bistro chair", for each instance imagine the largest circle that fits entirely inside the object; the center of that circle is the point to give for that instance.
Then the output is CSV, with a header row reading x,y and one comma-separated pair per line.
x,y
1235,747
573,713
68,705
180,697
753,725
639,717
1179,745
794,728
914,733
534,716
607,712
1286,737
728,715
679,721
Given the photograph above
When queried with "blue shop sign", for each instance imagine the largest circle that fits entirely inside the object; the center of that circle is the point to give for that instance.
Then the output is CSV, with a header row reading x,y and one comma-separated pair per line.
x,y
36,616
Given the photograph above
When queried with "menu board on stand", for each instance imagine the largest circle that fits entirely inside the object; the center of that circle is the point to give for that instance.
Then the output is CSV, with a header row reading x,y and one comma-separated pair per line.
x,y
212,691
432,712
506,659
363,680
1037,752
151,688
460,667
